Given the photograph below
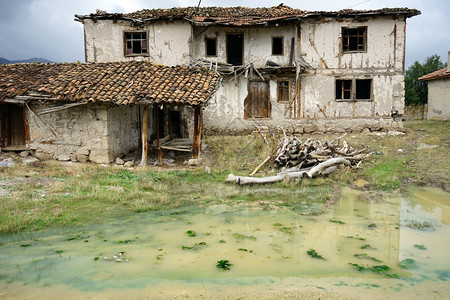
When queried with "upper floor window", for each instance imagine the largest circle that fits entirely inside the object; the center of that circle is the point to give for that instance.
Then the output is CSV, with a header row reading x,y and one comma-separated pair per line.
x,y
353,89
354,39
277,46
235,49
136,43
211,46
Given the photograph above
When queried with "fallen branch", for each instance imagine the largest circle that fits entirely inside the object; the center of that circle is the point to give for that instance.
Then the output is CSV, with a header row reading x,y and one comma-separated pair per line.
x,y
317,170
259,166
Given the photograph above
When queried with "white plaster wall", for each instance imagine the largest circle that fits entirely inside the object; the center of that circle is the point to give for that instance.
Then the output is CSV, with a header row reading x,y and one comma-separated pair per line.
x,y
259,38
438,99
321,44
169,42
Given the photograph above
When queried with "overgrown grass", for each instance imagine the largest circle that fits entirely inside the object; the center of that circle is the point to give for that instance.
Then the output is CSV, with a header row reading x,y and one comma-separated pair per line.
x,y
53,195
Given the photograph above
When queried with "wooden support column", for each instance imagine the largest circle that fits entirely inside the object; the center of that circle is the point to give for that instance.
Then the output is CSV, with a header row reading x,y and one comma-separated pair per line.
x,y
158,145
144,136
198,131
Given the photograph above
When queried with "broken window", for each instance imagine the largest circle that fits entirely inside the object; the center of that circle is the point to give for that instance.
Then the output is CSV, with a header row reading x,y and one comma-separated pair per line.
x,y
283,91
353,89
235,48
211,46
136,43
354,39
277,45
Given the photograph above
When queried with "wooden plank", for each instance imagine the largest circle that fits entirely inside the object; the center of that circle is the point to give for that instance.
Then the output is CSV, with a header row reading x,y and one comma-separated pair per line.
x,y
15,148
198,128
176,149
144,136
158,145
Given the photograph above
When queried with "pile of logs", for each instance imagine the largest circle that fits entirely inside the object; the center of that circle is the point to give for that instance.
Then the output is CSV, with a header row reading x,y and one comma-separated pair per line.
x,y
311,158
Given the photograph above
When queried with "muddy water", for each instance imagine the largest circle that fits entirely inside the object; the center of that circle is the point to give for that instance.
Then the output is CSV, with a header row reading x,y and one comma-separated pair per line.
x,y
175,254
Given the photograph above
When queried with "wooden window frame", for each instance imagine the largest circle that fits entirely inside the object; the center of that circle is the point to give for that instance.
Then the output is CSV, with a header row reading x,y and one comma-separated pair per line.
x,y
355,84
289,87
348,33
144,42
282,45
206,46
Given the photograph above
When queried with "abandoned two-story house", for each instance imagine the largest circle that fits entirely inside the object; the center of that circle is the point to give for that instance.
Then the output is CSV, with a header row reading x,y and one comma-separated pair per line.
x,y
305,71
270,67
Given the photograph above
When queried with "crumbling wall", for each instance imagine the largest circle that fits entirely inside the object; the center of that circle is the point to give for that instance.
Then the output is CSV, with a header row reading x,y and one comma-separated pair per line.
x,y
382,62
168,42
84,133
257,41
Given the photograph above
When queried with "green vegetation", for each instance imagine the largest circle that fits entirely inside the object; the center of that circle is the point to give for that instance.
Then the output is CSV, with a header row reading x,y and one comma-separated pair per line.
x,y
365,256
421,247
378,269
425,225
51,195
223,265
314,254
191,233
408,263
336,221
415,90
195,247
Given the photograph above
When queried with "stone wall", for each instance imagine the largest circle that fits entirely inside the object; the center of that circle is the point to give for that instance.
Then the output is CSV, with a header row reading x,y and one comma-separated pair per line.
x,y
84,133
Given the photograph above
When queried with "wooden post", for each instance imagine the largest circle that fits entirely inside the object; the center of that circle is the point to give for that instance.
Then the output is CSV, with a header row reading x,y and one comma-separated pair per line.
x,y
158,146
198,130
144,136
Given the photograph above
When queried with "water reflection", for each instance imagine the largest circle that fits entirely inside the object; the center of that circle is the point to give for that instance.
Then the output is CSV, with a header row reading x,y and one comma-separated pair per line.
x,y
267,248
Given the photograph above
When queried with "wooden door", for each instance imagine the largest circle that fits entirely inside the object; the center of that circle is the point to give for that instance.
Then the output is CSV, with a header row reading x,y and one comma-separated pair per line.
x,y
259,96
12,125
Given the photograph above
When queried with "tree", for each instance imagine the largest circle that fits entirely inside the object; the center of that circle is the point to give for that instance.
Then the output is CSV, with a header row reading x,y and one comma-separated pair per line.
x,y
416,92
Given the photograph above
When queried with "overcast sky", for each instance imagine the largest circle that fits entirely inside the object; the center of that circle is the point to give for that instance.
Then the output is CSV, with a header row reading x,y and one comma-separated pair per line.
x,y
46,28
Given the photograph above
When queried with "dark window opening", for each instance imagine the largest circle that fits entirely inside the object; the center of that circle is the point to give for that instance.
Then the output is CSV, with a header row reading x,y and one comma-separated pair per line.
x,y
277,46
136,43
363,89
356,89
283,91
343,89
211,46
235,45
354,39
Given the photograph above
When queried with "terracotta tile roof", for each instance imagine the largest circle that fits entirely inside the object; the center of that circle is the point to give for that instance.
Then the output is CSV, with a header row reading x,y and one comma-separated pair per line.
x,y
407,12
238,16
124,83
439,74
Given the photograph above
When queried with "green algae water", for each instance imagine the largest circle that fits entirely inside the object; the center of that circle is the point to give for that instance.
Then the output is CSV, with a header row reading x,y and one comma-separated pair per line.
x,y
366,245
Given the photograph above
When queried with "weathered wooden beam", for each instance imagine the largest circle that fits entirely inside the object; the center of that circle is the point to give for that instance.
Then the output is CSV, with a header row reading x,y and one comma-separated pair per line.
x,y
144,136
198,129
158,144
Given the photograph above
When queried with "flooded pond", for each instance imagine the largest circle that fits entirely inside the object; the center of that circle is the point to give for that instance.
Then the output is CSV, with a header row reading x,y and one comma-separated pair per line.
x,y
368,244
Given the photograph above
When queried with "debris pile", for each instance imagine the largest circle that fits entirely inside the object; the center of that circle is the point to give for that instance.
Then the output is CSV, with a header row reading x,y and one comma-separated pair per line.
x,y
310,159
293,154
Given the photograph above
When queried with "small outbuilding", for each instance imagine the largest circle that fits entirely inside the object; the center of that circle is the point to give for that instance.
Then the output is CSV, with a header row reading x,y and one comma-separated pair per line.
x,y
100,111
438,93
